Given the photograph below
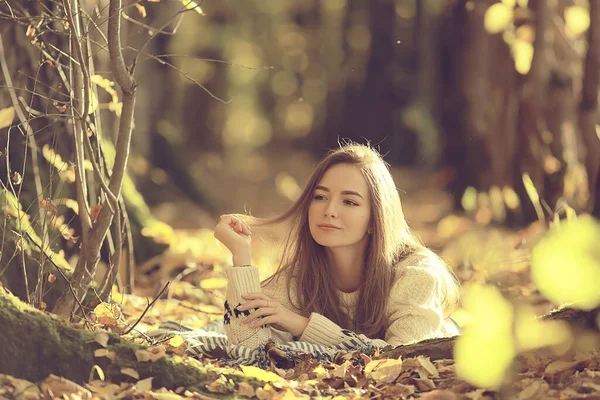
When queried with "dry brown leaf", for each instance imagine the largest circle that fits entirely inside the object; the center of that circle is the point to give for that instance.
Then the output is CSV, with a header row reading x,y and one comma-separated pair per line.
x,y
429,367
95,212
106,390
143,355
425,384
245,389
531,391
56,386
560,366
102,338
130,372
105,353
386,370
340,370
439,395
143,385
165,395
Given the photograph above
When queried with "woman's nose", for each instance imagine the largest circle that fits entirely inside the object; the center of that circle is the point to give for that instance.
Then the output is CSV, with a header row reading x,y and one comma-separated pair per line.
x,y
331,210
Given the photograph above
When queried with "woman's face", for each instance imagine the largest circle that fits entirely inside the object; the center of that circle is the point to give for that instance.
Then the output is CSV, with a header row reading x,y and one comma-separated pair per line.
x,y
340,210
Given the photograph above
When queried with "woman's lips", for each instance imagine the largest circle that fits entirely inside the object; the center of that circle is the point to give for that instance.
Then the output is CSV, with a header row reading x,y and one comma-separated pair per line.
x,y
328,228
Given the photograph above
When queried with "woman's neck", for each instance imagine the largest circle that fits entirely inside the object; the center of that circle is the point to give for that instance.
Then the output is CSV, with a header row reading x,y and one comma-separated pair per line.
x,y
346,266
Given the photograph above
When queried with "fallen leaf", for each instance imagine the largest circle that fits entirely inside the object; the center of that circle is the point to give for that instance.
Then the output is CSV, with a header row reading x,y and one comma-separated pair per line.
x,y
17,178
165,396
95,212
261,374
107,313
56,386
105,353
98,370
143,385
245,389
386,370
102,338
6,117
560,366
130,372
176,341
51,278
141,9
426,363
143,355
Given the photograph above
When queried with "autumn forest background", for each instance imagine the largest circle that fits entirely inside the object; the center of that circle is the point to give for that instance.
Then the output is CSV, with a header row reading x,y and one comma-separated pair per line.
x,y
127,128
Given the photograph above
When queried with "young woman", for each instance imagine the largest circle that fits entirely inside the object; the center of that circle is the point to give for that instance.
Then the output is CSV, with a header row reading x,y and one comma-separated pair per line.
x,y
350,265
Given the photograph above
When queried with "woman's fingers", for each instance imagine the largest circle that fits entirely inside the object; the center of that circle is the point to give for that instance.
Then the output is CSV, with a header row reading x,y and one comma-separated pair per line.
x,y
258,303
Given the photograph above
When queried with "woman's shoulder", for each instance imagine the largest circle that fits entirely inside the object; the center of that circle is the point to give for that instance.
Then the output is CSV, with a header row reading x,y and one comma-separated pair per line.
x,y
416,278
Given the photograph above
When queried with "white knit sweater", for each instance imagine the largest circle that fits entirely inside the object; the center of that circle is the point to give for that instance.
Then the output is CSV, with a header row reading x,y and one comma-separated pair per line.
x,y
414,309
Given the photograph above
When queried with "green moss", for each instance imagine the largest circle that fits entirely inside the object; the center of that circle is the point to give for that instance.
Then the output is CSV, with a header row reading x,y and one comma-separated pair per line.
x,y
34,345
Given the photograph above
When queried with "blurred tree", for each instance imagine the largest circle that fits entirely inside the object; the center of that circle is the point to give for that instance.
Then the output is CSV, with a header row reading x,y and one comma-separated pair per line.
x,y
513,103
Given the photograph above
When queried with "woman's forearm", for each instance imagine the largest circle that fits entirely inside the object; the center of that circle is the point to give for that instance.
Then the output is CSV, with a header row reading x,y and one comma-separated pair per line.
x,y
242,257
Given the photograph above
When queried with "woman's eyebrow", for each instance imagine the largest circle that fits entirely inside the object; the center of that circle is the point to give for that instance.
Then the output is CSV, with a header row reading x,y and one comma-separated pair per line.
x,y
350,192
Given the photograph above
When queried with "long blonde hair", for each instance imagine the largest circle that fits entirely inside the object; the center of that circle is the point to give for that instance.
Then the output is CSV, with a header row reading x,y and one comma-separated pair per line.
x,y
392,241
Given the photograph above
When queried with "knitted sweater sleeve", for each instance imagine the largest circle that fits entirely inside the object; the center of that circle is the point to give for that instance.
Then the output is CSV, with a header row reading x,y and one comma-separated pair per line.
x,y
241,281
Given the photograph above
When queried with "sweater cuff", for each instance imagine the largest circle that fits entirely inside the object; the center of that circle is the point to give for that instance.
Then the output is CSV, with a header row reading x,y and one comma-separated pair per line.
x,y
321,330
241,281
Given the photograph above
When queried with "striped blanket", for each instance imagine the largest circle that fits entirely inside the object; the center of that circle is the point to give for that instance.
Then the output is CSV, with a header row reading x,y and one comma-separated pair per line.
x,y
211,341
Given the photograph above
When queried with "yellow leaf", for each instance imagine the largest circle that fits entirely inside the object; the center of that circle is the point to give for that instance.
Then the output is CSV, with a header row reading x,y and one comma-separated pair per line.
x,y
117,297
130,372
321,372
469,199
99,371
6,117
386,370
107,313
497,18
261,374
486,347
176,341
532,333
565,264
213,283
533,196
192,5
577,19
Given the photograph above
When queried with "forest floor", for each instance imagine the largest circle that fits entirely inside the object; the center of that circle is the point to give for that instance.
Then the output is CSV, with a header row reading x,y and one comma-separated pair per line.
x,y
475,248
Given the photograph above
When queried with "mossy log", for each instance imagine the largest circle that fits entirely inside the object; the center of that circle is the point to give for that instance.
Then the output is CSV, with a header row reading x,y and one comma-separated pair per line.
x,y
34,344
438,349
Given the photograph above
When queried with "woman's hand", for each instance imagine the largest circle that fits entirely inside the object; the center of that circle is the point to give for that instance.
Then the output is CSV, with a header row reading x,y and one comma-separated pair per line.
x,y
235,235
272,313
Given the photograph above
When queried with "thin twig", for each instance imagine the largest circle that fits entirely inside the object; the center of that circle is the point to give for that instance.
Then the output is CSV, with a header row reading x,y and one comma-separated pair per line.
x,y
148,307
64,277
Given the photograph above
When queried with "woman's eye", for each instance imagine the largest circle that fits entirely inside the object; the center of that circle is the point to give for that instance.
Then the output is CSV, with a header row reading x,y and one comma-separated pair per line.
x,y
318,197
350,203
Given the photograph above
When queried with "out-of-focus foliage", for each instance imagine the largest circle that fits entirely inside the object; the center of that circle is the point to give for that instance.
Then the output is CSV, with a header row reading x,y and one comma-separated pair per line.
x,y
566,263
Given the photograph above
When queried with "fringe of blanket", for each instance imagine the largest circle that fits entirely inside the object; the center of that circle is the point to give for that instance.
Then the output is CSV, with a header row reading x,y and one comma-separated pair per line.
x,y
211,341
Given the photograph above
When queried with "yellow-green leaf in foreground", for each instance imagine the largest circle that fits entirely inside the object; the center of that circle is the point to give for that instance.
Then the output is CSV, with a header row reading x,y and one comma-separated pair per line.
x,y
261,374
497,18
486,347
565,264
192,5
6,117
